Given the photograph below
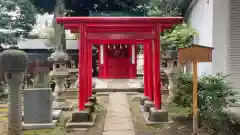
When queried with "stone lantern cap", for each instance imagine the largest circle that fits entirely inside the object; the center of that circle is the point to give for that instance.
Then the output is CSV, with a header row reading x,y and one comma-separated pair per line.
x,y
58,56
13,60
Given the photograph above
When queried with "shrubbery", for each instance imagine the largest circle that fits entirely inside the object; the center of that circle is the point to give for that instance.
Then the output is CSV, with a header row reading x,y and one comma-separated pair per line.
x,y
213,91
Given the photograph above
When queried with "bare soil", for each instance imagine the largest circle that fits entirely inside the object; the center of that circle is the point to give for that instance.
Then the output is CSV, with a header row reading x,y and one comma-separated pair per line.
x,y
182,125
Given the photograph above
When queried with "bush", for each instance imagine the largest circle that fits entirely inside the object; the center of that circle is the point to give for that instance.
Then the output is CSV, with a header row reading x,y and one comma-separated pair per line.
x,y
213,91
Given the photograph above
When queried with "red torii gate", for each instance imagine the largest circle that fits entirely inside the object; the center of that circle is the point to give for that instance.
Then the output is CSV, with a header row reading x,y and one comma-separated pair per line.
x,y
127,30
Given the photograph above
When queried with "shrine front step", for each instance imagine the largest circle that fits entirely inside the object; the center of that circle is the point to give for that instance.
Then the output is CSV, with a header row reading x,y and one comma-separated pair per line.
x,y
73,93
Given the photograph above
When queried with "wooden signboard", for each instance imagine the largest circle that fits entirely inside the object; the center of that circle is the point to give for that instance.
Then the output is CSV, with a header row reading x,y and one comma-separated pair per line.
x,y
195,54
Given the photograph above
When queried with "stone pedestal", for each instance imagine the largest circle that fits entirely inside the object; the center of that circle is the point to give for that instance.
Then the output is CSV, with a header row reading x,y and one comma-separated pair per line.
x,y
81,119
38,109
60,100
157,115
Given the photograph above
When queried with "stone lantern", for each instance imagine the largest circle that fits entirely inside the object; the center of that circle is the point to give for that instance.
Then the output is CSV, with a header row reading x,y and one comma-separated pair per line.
x,y
73,71
60,72
14,64
171,71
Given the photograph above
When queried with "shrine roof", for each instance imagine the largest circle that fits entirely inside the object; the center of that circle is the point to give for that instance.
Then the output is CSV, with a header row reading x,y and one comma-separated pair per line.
x,y
119,20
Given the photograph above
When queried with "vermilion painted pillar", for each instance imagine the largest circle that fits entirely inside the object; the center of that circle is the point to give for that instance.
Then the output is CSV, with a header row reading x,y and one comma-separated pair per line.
x,y
150,70
81,91
145,68
87,72
156,70
90,70
84,73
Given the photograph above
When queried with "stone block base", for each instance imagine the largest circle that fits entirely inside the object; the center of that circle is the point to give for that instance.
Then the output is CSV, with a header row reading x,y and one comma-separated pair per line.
x,y
90,105
82,116
157,115
93,99
154,117
55,113
32,126
81,119
143,99
147,105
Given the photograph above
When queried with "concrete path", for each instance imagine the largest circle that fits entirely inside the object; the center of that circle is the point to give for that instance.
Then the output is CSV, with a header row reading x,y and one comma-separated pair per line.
x,y
118,120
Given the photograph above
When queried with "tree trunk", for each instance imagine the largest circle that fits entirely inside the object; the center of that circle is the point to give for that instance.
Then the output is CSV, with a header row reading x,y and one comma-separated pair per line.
x,y
59,32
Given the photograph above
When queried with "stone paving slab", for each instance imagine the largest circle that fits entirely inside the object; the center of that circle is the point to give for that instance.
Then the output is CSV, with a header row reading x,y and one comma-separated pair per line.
x,y
113,120
118,126
118,120
119,133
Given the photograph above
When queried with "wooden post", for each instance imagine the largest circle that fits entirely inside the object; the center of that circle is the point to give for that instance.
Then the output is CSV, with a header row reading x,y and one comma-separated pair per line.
x,y
195,99
195,54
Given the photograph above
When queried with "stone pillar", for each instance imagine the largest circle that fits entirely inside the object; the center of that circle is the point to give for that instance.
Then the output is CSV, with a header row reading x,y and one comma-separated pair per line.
x,y
59,73
14,64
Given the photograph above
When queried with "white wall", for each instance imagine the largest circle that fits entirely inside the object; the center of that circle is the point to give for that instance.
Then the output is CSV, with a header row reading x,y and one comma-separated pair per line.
x,y
210,19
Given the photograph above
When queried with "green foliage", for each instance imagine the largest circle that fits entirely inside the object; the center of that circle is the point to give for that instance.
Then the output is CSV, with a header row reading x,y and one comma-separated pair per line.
x,y
180,36
163,8
17,20
213,91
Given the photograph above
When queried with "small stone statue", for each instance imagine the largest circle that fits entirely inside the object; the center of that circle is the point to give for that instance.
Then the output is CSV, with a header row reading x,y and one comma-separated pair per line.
x,y
14,64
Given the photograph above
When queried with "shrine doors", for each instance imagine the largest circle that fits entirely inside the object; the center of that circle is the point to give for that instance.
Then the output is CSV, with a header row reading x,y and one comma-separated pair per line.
x,y
120,61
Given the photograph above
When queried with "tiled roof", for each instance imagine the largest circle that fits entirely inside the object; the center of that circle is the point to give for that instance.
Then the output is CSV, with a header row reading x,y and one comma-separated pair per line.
x,y
40,44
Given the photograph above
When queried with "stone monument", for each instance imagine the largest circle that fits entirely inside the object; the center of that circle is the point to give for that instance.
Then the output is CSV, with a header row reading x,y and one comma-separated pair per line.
x,y
59,60
14,64
38,108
